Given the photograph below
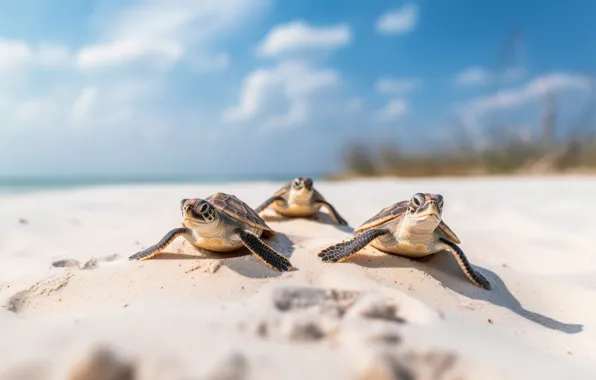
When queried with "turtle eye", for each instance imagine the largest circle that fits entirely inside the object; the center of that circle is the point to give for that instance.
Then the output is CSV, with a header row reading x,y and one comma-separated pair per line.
x,y
417,200
182,202
440,202
205,211
296,183
203,208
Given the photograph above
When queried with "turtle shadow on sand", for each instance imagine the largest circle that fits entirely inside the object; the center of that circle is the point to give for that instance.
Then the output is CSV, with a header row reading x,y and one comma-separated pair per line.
x,y
443,267
248,268
255,268
319,217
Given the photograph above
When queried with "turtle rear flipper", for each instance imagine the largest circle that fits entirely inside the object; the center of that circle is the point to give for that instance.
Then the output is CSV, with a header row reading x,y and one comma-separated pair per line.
x,y
333,212
156,249
268,203
265,253
344,250
474,276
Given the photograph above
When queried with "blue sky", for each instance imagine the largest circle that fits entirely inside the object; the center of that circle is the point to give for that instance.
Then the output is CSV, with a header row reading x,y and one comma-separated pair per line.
x,y
259,86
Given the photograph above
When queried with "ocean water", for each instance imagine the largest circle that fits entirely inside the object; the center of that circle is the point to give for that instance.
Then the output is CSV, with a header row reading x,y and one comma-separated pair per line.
x,y
28,184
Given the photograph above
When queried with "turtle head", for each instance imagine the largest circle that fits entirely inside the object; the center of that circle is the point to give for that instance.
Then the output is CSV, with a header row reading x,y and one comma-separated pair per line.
x,y
302,184
424,211
197,213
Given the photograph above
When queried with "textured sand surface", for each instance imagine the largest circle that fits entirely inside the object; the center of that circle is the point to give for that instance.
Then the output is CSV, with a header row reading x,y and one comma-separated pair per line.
x,y
75,307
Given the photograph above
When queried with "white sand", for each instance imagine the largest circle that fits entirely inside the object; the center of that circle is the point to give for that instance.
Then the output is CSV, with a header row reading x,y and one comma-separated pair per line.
x,y
372,317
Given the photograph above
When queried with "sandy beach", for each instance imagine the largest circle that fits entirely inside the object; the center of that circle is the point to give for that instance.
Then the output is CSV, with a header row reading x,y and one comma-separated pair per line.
x,y
75,307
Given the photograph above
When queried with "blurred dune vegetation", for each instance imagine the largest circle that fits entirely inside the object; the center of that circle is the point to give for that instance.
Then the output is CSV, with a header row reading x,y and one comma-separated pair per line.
x,y
505,151
509,158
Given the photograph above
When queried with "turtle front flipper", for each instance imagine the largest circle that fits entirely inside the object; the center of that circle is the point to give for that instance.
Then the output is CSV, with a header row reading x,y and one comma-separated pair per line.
x,y
265,253
268,203
474,276
156,249
333,212
344,250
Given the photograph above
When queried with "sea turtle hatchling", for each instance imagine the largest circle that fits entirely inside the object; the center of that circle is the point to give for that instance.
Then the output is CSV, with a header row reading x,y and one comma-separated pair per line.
x,y
221,223
411,228
298,198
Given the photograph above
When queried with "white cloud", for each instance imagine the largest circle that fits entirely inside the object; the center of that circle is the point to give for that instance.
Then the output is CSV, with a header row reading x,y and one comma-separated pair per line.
x,y
295,82
395,109
284,95
473,76
14,53
478,76
533,90
164,30
398,21
298,37
389,85
124,51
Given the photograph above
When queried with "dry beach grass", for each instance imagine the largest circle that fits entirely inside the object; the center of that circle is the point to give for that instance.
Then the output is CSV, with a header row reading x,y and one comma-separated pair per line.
x,y
76,308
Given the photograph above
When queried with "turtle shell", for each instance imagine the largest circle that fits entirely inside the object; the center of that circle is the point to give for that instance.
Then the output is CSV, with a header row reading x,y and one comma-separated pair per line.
x,y
397,210
237,209
388,213
284,189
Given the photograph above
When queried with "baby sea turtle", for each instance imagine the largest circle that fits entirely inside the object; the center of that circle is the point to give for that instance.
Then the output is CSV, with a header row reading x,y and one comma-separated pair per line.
x,y
298,198
411,228
221,223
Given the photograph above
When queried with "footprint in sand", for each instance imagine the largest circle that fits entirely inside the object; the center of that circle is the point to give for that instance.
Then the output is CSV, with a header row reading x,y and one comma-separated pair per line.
x,y
413,364
365,323
299,313
19,301
93,262
66,263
